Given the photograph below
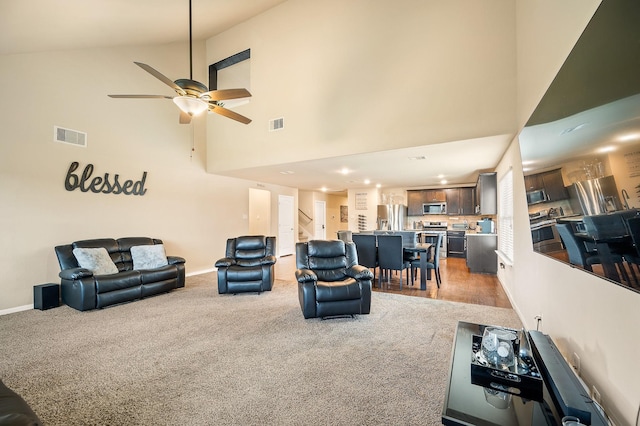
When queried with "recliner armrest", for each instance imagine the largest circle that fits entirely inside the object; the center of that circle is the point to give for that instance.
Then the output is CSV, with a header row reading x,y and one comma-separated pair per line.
x,y
225,262
268,260
75,273
174,260
306,275
359,272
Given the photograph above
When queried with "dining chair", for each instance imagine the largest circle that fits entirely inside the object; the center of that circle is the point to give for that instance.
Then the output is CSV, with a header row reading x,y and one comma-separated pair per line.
x,y
578,254
433,263
391,257
345,235
633,258
613,225
408,238
367,250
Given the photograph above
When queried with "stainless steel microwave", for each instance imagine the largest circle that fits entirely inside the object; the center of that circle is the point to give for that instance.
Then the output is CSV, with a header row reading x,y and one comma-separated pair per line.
x,y
537,196
434,208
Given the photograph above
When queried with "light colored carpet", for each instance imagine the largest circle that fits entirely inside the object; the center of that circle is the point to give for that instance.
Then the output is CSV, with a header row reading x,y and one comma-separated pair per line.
x,y
193,356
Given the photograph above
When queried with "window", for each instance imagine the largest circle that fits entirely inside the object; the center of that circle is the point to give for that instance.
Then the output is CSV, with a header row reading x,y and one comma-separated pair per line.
x,y
505,216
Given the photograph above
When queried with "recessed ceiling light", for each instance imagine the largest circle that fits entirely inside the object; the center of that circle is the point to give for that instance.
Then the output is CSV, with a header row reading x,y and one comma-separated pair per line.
x,y
378,185
344,171
367,181
440,176
323,189
629,137
419,157
443,181
606,149
286,172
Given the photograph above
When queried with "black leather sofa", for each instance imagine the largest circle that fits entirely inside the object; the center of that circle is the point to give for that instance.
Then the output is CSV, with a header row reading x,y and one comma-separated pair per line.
x,y
248,265
330,280
83,290
14,410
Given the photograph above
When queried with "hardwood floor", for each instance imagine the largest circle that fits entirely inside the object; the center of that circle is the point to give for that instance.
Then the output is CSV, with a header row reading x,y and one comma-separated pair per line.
x,y
458,284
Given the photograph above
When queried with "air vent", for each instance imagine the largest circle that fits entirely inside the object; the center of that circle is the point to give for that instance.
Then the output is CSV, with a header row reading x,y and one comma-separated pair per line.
x,y
73,137
276,124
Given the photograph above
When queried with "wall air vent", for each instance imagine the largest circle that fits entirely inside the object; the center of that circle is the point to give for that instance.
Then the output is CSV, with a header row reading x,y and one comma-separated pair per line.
x,y
73,137
276,124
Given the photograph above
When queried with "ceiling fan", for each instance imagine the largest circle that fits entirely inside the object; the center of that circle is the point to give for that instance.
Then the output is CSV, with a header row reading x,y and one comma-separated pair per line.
x,y
193,97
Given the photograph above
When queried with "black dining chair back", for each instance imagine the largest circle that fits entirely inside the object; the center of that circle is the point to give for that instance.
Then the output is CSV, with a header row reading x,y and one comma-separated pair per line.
x,y
367,249
602,226
433,263
576,250
634,231
391,256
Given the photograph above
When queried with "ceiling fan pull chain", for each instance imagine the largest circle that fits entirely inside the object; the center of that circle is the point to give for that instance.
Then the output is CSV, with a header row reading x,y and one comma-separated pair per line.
x,y
190,46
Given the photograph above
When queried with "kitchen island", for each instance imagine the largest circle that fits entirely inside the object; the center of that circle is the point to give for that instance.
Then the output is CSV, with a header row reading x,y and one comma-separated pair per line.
x,y
481,253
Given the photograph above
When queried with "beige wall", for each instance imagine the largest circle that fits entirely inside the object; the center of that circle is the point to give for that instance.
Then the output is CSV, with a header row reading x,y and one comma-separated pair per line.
x,y
352,77
191,210
584,314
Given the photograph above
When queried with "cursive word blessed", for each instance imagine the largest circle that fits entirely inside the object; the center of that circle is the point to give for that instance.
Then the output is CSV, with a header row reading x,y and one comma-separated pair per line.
x,y
104,184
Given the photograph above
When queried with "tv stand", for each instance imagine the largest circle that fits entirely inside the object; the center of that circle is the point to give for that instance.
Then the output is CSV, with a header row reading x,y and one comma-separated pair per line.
x,y
470,404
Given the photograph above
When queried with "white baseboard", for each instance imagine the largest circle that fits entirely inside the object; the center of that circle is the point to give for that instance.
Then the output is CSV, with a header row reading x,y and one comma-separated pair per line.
x,y
16,309
28,307
200,272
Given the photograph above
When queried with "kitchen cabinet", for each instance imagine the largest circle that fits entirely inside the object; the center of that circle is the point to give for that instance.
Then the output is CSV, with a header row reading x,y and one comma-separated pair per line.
x,y
434,195
554,185
417,197
550,182
486,194
460,201
456,244
481,253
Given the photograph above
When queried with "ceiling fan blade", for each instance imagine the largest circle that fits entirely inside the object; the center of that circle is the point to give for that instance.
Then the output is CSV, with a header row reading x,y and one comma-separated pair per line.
x,y
229,114
141,96
161,77
221,95
184,118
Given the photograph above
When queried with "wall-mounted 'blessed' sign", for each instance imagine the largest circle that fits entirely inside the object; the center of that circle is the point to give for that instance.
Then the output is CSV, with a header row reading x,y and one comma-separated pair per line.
x,y
105,184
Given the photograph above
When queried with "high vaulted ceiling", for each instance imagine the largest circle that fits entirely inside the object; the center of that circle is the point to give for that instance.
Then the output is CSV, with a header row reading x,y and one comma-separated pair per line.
x,y
29,26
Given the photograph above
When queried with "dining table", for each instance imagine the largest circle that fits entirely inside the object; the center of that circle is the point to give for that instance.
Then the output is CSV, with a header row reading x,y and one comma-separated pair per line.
x,y
424,249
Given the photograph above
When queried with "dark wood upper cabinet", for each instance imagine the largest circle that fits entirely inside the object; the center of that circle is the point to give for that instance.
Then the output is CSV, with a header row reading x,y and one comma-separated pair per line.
x,y
460,201
550,182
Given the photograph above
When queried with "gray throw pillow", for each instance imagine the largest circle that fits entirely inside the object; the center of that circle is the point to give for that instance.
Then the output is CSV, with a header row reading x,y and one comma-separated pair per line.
x,y
148,256
97,260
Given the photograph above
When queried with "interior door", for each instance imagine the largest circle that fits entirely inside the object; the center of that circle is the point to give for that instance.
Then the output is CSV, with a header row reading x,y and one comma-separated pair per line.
x,y
259,212
286,240
320,219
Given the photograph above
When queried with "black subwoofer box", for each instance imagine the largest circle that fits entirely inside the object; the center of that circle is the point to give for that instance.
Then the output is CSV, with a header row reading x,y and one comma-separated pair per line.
x,y
46,296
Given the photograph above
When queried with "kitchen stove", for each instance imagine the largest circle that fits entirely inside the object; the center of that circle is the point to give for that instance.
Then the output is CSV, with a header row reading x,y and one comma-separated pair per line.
x,y
431,230
543,231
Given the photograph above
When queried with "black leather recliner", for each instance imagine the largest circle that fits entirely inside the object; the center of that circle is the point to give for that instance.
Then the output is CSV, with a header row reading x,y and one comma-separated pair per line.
x,y
248,265
330,281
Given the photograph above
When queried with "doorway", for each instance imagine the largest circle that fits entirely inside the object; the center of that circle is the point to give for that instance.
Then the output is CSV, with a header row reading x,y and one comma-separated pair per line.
x,y
286,240
259,212
320,219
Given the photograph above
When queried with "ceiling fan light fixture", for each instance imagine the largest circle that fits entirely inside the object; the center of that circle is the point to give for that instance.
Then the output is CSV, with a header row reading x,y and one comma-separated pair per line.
x,y
190,105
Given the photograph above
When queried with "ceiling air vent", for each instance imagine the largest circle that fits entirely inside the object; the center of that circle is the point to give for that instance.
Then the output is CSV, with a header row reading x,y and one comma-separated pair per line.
x,y
276,124
73,137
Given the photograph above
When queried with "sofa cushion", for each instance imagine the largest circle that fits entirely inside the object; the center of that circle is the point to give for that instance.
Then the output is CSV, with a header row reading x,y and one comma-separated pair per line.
x,y
97,260
148,256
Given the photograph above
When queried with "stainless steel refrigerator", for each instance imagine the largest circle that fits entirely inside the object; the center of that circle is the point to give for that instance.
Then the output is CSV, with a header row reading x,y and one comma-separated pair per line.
x,y
595,196
391,217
